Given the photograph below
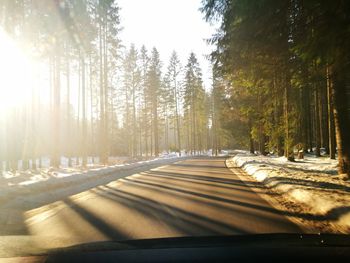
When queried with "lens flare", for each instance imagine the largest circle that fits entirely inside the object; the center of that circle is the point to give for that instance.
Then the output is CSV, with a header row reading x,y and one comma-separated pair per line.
x,y
16,75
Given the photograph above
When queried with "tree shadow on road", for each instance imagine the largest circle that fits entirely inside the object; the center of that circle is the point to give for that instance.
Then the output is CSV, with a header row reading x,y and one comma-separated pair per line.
x,y
97,222
212,188
184,221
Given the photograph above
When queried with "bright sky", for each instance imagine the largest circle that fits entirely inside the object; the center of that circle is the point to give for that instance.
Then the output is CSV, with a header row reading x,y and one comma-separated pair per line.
x,y
168,25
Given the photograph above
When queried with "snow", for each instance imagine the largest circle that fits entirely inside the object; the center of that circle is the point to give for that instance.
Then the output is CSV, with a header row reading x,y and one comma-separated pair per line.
x,y
311,183
12,183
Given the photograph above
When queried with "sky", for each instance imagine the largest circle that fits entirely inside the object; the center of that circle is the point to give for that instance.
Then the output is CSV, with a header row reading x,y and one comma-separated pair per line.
x,y
168,25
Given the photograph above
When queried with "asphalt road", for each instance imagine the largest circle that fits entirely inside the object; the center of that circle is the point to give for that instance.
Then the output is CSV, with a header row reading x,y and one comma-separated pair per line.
x,y
193,197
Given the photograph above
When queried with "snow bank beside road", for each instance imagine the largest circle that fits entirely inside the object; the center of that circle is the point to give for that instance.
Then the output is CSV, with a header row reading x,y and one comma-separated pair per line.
x,y
49,179
312,184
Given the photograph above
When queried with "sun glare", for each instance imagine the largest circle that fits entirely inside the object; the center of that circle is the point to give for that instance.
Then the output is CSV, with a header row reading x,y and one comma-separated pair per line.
x,y
16,75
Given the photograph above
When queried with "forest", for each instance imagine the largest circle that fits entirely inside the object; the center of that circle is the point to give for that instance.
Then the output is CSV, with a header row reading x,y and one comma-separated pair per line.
x,y
282,75
88,96
280,84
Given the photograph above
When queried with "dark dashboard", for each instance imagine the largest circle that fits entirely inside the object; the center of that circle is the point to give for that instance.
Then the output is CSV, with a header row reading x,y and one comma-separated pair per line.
x,y
249,248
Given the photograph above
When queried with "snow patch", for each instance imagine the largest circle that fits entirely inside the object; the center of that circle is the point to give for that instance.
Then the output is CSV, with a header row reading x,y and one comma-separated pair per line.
x,y
312,183
12,184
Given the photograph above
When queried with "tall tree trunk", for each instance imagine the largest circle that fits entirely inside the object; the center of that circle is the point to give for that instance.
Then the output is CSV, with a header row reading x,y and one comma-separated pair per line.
x,y
251,140
152,133
134,131
341,94
308,123
194,125
106,90
140,123
145,122
331,127
127,123
56,111
102,140
155,127
77,129
166,129
277,116
69,139
288,141
177,118
35,110
189,146
83,109
317,122
92,137
324,119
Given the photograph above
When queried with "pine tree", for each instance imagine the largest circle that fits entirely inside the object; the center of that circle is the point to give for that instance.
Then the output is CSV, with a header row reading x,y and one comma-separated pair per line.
x,y
146,109
153,91
193,102
174,82
132,83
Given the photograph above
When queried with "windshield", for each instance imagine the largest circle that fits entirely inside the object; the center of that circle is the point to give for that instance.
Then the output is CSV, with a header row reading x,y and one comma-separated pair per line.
x,y
142,119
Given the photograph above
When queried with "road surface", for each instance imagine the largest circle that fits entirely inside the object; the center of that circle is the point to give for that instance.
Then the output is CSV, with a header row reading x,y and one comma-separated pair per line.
x,y
192,197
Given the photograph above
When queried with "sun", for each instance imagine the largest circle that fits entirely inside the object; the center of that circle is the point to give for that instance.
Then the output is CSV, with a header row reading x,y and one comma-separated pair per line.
x,y
15,75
